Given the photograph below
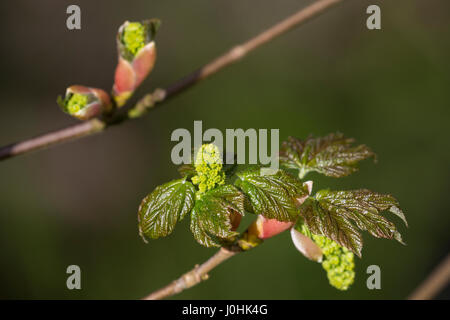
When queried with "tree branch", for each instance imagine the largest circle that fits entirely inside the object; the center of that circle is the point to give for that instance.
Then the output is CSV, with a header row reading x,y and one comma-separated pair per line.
x,y
193,277
434,283
160,95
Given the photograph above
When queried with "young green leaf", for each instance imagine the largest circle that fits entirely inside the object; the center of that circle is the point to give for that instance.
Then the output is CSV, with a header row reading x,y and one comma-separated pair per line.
x,y
212,214
161,209
332,225
335,214
363,207
331,155
271,195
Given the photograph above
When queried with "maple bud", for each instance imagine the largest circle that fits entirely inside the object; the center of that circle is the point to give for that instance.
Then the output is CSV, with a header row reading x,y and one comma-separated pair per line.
x,y
249,239
137,54
85,103
267,228
306,246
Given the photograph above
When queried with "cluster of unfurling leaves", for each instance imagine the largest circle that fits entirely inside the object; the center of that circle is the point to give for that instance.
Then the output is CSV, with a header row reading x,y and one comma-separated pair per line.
x,y
325,226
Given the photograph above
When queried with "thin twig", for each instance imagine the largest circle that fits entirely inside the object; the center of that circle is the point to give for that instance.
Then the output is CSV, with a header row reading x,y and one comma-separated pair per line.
x,y
150,100
193,277
434,283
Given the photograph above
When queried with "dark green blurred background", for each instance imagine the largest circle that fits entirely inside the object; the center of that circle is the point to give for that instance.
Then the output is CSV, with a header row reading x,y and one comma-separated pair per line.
x,y
77,203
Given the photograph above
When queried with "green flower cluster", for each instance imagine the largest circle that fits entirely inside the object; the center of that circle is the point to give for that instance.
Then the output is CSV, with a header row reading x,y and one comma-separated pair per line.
x,y
338,262
208,164
75,103
134,37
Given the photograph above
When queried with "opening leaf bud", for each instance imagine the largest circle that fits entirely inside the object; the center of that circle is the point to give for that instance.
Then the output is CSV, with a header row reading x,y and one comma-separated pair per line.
x,y
137,55
306,246
85,103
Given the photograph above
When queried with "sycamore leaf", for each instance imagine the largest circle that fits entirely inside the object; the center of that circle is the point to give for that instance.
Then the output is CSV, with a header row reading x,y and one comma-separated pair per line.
x,y
332,155
211,217
363,207
323,222
338,214
272,195
161,209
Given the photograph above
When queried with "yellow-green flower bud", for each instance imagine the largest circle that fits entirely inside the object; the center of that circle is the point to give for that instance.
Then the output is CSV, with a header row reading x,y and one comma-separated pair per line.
x,y
85,103
208,164
134,35
137,55
338,262
75,103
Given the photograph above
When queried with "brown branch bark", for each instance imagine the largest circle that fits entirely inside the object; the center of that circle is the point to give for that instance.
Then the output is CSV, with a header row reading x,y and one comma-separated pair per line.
x,y
193,277
160,95
434,283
